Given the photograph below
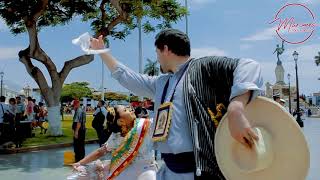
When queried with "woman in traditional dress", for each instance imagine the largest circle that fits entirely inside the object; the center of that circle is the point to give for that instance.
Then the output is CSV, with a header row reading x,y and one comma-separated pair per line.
x,y
132,157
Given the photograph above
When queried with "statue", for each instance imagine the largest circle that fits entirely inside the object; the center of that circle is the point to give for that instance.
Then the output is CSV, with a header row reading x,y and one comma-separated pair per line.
x,y
279,51
279,71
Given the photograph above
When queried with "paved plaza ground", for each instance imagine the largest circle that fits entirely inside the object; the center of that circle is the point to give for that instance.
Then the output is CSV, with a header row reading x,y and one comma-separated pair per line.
x,y
47,164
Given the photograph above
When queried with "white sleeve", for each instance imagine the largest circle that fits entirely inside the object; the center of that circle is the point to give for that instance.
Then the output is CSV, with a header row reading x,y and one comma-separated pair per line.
x,y
139,84
247,76
114,141
104,112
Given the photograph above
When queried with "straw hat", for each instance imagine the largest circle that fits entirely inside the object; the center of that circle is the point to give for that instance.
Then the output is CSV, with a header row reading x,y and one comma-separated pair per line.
x,y
280,154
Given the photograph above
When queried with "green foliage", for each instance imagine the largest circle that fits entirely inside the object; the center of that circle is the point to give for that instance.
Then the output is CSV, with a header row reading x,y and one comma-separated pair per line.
x,y
75,90
112,96
57,12
60,12
134,98
151,68
44,140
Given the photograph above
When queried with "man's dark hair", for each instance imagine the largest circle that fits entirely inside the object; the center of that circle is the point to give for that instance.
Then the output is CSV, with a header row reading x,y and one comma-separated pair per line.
x,y
102,102
177,41
18,97
2,99
12,100
29,98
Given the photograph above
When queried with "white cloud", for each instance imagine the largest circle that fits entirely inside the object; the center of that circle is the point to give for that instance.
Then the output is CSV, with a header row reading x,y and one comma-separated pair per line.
x,y
266,34
8,53
207,51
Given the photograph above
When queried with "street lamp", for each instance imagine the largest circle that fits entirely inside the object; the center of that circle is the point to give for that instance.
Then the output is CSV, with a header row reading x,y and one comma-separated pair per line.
x,y
186,5
1,91
289,93
295,57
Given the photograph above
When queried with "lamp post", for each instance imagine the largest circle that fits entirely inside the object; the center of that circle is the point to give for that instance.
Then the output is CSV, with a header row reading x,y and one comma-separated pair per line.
x,y
186,5
102,80
1,91
289,94
295,57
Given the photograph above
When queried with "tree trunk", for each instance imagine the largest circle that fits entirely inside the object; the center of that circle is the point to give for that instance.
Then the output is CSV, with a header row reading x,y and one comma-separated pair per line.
x,y
54,120
34,52
51,94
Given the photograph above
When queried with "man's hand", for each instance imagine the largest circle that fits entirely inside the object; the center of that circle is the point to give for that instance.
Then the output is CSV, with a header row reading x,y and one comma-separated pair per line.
x,y
239,125
96,44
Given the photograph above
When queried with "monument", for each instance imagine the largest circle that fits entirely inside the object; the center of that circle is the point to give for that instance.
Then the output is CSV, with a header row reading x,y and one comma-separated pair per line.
x,y
279,71
280,87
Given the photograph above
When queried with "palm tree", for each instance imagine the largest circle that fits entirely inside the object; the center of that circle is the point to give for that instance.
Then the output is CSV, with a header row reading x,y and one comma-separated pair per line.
x,y
151,68
317,59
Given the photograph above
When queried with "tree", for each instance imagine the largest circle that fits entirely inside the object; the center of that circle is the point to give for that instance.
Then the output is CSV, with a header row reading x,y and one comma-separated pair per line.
x,y
151,68
317,59
112,96
134,99
75,90
105,15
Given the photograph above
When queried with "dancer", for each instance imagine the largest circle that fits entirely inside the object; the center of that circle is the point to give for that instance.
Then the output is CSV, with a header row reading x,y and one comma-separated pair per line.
x,y
132,158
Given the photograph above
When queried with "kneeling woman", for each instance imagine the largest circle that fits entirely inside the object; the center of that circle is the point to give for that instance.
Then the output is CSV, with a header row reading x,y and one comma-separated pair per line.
x,y
132,157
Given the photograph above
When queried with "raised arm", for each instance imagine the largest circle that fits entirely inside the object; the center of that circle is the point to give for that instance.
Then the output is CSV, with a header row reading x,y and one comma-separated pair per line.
x,y
139,84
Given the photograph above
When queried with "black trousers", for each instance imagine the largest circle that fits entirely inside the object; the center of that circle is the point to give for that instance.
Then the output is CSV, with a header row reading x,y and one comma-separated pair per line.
x,y
78,145
101,135
19,130
185,163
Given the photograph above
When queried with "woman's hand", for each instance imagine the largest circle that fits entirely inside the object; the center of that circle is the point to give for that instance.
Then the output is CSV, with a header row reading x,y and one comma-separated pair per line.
x,y
76,166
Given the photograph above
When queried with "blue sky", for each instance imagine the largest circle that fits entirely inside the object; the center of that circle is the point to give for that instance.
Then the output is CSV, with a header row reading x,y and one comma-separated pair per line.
x,y
216,27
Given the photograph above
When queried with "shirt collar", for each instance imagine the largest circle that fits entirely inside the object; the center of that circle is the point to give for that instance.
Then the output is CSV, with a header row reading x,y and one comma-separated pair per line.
x,y
181,66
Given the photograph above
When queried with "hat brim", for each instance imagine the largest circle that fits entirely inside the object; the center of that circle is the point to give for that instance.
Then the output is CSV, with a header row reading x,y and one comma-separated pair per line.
x,y
291,158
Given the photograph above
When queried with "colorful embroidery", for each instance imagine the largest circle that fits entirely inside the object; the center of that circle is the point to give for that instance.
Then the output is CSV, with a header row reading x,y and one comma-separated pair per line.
x,y
216,118
127,151
161,132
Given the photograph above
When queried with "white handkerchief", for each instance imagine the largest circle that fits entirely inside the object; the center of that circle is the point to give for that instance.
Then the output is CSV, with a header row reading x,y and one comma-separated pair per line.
x,y
84,42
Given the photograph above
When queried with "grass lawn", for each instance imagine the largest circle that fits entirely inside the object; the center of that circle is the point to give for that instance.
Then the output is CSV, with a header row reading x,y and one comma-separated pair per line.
x,y
45,139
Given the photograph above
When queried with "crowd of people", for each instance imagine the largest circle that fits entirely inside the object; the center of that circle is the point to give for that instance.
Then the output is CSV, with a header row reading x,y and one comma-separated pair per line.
x,y
19,117
294,112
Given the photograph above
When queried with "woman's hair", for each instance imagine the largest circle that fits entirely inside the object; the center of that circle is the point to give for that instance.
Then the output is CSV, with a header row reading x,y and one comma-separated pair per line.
x,y
112,117
112,120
